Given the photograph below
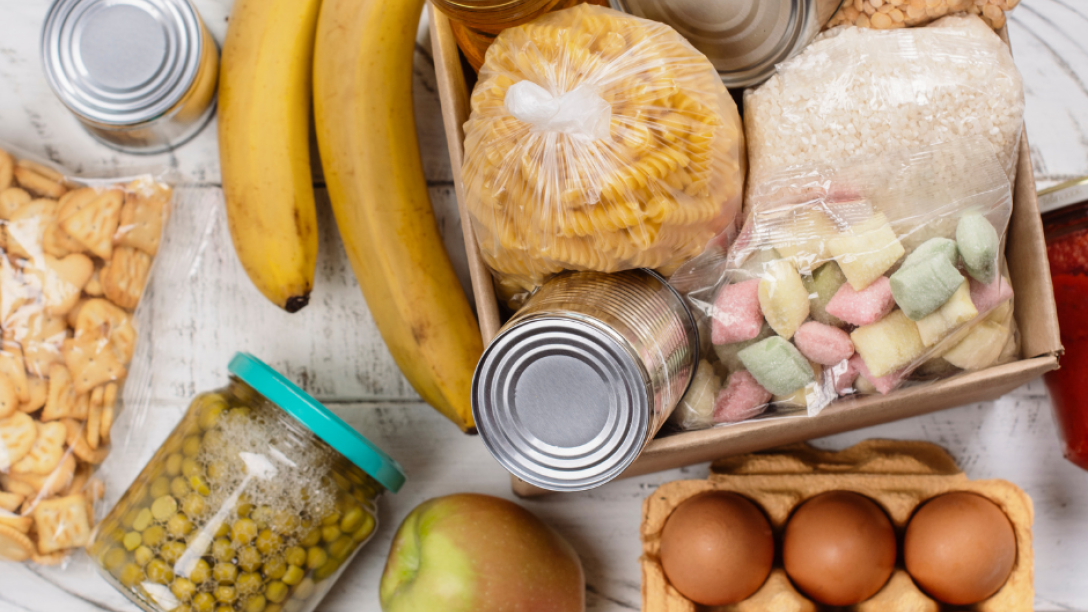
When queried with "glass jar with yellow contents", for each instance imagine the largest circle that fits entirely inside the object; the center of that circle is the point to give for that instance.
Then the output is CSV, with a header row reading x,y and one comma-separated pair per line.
x,y
476,23
255,503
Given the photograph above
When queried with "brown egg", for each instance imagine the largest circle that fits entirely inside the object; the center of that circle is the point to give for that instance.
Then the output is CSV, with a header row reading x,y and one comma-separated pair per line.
x,y
960,548
839,548
717,548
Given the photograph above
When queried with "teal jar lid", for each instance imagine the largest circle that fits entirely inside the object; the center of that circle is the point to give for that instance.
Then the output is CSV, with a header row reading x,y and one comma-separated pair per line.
x,y
319,419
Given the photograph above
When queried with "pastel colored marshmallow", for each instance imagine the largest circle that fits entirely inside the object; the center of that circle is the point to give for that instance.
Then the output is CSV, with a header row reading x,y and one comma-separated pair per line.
x,y
727,353
843,375
823,344
822,285
736,314
988,296
777,365
862,307
740,399
809,397
978,244
938,324
882,384
889,344
696,409
783,298
866,251
981,347
933,247
925,286
805,240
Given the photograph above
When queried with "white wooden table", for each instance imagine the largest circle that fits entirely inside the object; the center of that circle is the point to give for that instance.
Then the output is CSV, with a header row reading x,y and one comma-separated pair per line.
x,y
202,309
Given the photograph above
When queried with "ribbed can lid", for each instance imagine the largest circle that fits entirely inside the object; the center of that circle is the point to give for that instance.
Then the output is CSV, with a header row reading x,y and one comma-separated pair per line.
x,y
121,62
561,403
1063,194
744,39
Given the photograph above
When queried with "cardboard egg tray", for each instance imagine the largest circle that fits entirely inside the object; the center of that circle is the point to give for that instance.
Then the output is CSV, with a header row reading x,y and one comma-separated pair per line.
x,y
899,476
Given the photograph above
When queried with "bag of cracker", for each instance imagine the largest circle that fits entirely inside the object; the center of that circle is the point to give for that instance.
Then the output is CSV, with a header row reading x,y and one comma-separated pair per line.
x,y
75,256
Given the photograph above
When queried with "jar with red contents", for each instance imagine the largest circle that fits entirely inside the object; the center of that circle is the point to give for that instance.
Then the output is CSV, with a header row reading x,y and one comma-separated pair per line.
x,y
1065,219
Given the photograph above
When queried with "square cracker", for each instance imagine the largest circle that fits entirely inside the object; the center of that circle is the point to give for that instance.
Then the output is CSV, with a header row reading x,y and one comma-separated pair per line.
x,y
142,219
92,220
13,367
123,278
60,403
62,523
92,362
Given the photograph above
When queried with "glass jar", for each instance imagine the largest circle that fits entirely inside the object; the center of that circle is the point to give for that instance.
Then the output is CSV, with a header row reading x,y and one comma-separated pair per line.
x,y
476,23
1065,222
255,503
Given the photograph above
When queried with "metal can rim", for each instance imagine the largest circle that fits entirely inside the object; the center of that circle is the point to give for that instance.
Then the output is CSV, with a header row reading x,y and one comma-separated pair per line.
x,y
91,106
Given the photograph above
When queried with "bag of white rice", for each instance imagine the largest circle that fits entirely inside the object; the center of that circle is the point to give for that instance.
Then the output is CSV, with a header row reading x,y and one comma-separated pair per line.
x,y
857,92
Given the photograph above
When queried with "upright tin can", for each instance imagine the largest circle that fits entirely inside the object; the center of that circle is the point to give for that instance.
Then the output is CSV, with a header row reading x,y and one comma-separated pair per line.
x,y
744,39
140,75
578,382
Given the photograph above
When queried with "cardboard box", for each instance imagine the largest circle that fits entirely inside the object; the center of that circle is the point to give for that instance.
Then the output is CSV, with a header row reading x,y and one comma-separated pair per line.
x,y
1028,268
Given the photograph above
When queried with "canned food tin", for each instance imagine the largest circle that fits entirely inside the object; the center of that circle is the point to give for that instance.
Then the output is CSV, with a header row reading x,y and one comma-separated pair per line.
x,y
576,384
140,75
744,39
257,500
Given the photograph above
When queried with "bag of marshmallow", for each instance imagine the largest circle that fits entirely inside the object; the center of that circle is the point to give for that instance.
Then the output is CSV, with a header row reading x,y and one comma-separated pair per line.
x,y
854,277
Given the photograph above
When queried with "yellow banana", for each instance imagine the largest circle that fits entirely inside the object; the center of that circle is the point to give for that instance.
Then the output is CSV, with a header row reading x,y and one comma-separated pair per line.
x,y
367,136
264,145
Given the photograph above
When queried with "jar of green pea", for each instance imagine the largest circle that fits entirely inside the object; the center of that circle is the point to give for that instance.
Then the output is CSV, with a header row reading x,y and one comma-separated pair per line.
x,y
256,502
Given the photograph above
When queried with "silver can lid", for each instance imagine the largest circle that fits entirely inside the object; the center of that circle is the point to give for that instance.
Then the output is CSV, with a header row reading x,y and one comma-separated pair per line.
x,y
744,39
561,403
121,62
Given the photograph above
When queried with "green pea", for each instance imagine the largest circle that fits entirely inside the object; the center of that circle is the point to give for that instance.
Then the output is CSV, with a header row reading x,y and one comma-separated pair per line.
x,y
164,507
225,594
179,526
217,470
244,509
211,412
222,550
330,533
326,570
296,555
316,557
364,530
200,485
179,487
262,515
249,559
183,589
154,535
341,482
143,519
201,572
158,571
312,538
331,519
248,582
132,540
274,568
225,573
268,542
352,520
254,603
243,531
223,530
193,504
293,575
113,558
143,555
190,468
172,551
131,575
276,591
213,439
203,602
284,522
341,548
129,518
160,486
173,464
190,446
304,589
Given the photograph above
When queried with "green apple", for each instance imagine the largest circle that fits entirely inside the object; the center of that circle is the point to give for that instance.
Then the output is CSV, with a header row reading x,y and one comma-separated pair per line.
x,y
477,553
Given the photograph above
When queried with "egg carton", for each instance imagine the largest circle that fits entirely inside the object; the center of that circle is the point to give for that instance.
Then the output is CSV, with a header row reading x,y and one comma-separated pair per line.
x,y
897,475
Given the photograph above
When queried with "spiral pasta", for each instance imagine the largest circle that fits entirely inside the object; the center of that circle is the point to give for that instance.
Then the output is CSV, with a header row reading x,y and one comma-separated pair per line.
x,y
629,151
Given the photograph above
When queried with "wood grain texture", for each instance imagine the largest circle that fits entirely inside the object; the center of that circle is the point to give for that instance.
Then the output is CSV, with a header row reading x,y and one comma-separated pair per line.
x,y
202,308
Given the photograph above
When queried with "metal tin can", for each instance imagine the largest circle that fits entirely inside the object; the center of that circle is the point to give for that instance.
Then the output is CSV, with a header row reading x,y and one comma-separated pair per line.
x,y
140,75
576,384
744,39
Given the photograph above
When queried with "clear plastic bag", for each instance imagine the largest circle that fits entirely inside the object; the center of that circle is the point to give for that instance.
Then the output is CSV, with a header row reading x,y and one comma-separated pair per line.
x,y
75,257
598,141
856,92
855,277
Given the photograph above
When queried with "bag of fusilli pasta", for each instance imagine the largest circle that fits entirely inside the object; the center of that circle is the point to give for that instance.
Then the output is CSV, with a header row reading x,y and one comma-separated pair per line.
x,y
598,141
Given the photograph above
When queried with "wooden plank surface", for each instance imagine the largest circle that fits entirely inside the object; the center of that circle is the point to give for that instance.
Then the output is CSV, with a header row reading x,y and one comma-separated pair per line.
x,y
202,308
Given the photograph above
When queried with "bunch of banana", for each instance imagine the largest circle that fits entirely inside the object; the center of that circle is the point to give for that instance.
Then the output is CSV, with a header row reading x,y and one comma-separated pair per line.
x,y
362,91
